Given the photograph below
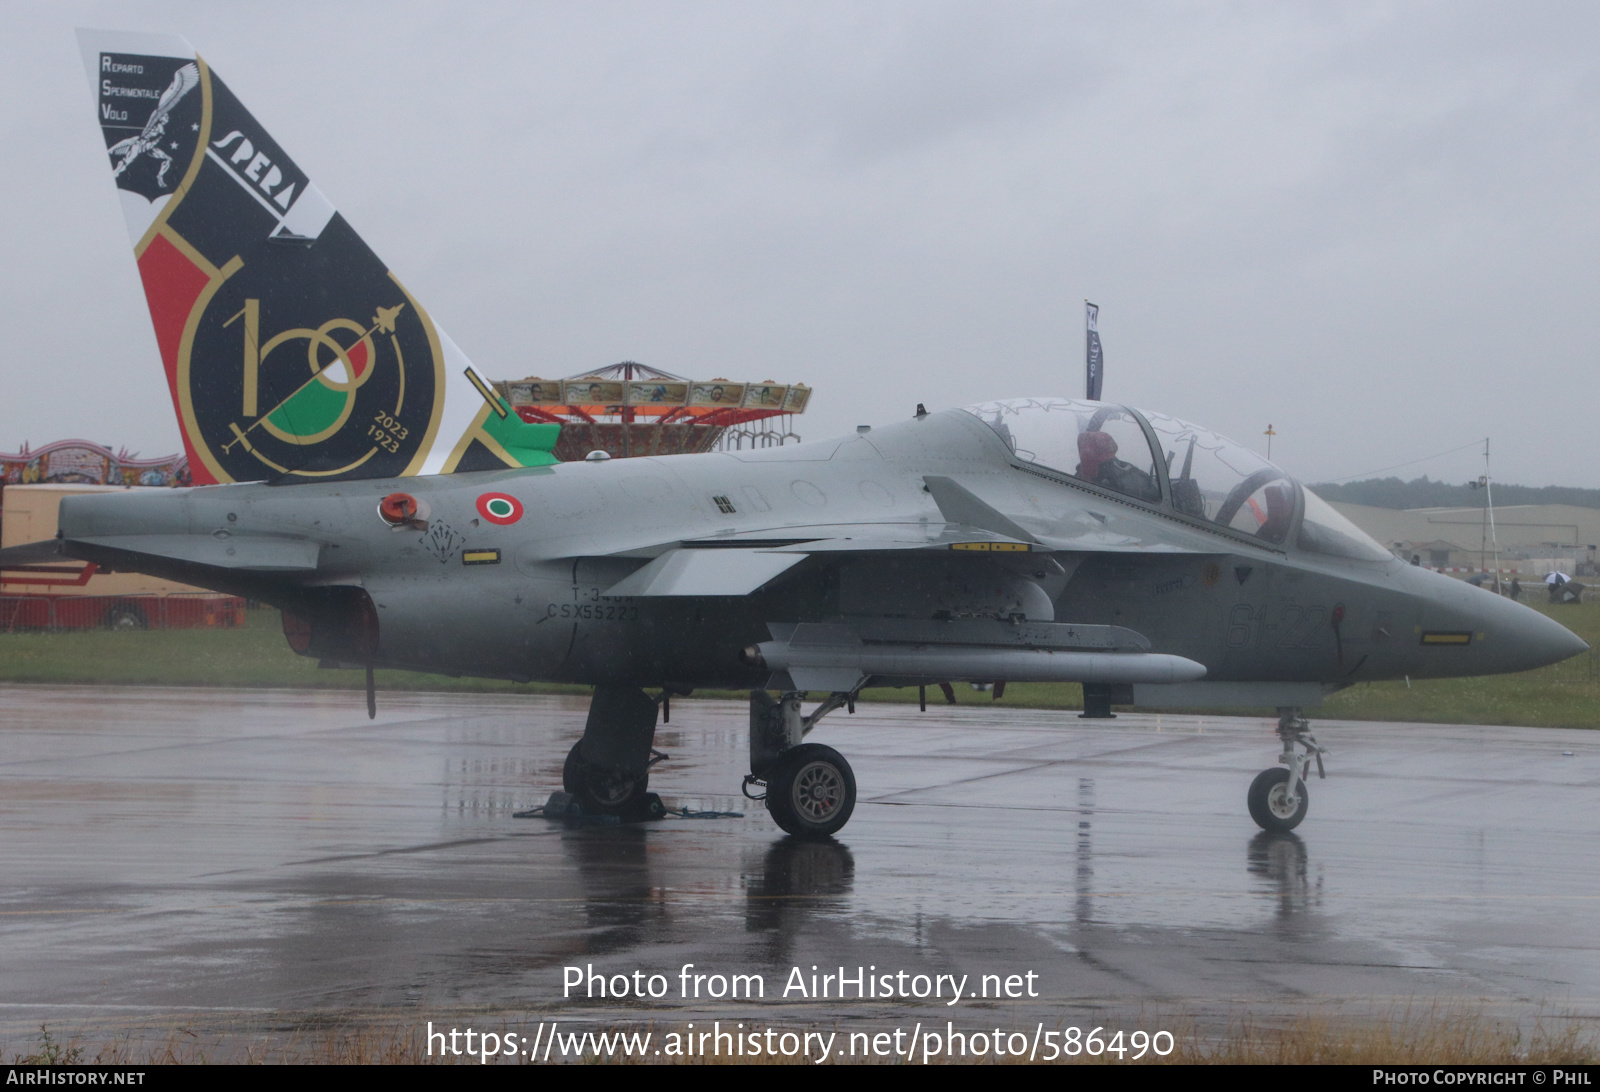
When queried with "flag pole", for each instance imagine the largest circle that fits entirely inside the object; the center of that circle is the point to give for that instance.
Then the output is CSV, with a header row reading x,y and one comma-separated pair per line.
x,y
1488,497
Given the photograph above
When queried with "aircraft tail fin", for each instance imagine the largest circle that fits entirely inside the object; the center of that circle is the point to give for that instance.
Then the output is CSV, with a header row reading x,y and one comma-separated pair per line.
x,y
292,352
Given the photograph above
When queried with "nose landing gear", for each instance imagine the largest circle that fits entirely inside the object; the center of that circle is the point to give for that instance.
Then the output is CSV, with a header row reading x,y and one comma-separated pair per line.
x,y
1278,799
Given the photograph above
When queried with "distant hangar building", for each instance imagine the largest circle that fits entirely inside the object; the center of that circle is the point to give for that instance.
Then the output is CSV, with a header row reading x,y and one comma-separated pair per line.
x,y
1534,539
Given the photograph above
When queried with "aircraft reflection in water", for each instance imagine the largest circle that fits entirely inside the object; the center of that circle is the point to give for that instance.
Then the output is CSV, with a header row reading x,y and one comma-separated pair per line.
x,y
403,517
1083,876
797,879
1279,858
631,900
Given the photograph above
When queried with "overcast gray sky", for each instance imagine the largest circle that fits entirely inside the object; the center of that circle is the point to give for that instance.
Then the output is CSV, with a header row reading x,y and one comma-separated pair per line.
x,y
1372,225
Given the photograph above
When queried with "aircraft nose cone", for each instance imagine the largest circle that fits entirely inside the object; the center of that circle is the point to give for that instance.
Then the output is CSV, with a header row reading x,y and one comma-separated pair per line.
x,y
1526,637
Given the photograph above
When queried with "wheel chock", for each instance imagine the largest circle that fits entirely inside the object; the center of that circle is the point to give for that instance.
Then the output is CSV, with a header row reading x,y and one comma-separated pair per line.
x,y
563,807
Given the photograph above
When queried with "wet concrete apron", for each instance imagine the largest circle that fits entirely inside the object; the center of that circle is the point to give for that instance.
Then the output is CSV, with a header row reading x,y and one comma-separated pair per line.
x,y
183,858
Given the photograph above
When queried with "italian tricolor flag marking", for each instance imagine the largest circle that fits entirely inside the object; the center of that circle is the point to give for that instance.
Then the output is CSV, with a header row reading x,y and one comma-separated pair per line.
x,y
499,508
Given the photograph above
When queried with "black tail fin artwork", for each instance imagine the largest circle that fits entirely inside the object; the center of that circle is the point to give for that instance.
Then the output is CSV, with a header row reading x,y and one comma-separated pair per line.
x,y
292,352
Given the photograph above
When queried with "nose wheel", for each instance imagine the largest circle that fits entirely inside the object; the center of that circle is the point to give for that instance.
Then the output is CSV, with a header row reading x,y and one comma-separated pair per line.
x,y
1278,799
1271,804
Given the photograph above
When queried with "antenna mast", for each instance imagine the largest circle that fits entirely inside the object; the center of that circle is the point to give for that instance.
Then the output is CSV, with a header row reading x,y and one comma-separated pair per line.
x,y
1488,496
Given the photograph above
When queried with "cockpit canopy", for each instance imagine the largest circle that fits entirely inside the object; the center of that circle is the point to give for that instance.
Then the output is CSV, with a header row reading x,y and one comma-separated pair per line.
x,y
1164,461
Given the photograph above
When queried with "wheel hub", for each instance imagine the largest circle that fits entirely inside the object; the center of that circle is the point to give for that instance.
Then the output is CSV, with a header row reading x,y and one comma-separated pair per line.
x,y
818,790
610,789
1278,802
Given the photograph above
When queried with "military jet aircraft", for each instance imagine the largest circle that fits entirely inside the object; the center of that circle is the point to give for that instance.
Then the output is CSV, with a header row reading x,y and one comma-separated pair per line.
x,y
368,482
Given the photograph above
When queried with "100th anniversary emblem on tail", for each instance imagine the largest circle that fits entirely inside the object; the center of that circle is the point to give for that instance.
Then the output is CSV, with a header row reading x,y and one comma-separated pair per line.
x,y
303,396
289,347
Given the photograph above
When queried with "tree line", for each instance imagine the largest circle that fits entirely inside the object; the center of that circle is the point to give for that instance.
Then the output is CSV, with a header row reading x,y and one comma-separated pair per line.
x,y
1425,493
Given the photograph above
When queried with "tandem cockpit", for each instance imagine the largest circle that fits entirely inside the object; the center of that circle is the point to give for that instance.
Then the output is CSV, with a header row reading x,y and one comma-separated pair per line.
x,y
1173,464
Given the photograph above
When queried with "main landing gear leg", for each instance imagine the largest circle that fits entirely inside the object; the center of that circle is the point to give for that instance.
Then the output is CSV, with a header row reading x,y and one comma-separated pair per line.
x,y
608,770
1278,798
810,788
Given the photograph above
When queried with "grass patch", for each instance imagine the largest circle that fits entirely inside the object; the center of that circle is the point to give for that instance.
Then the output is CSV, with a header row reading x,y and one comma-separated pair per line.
x,y
1564,695
1441,1035
255,655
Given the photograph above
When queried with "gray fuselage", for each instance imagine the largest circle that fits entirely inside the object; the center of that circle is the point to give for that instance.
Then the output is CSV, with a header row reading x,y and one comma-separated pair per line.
x,y
528,599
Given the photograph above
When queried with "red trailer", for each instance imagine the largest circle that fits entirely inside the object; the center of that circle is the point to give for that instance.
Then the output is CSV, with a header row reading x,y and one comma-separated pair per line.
x,y
76,595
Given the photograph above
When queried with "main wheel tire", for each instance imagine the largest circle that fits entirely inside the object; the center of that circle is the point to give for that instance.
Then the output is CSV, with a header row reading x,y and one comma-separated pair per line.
x,y
811,791
1269,801
125,617
601,791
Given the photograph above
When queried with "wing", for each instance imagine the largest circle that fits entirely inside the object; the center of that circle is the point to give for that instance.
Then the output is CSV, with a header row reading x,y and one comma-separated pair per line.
x,y
741,563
